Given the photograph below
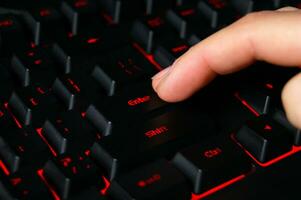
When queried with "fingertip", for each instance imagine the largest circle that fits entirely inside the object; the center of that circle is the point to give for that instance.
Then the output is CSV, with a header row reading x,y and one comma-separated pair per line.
x,y
291,98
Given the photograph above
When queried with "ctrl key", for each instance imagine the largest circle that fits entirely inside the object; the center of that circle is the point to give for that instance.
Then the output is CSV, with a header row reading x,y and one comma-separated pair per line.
x,y
158,180
212,163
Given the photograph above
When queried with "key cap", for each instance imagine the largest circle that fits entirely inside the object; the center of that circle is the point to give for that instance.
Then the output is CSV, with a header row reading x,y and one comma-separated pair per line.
x,y
168,51
154,137
122,67
33,67
79,12
17,147
11,34
69,176
32,105
99,121
116,11
185,19
78,49
113,9
25,185
256,99
157,180
280,117
264,138
149,30
217,12
134,101
68,132
43,22
157,6
4,192
254,5
67,96
212,163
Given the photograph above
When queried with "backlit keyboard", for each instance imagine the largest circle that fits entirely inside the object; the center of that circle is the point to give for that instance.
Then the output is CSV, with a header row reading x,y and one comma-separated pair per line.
x,y
80,120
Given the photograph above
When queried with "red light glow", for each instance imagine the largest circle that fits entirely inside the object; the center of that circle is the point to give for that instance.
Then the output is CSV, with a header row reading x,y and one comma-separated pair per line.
x,y
217,188
53,192
149,57
4,168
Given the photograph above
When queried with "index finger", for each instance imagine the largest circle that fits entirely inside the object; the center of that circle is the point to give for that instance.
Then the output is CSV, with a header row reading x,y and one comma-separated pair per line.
x,y
270,36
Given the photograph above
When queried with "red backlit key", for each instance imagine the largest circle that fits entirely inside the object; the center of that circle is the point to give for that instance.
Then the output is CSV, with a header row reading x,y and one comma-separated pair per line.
x,y
43,22
122,67
33,67
166,132
112,8
180,17
32,104
136,100
252,5
149,30
280,117
99,121
68,132
69,175
212,163
12,33
157,6
264,138
157,180
218,12
79,13
26,185
67,90
116,11
168,51
18,147
73,50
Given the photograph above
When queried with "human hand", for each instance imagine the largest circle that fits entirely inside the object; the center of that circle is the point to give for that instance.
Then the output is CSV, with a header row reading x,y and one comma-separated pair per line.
x,y
271,36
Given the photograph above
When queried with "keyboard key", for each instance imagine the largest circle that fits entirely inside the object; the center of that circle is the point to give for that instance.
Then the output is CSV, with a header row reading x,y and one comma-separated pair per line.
x,y
148,31
17,147
217,12
280,117
160,135
78,13
212,163
68,132
157,7
74,50
264,139
158,180
120,68
69,176
64,94
135,101
99,121
26,185
32,105
12,34
33,68
168,51
254,5
116,11
42,21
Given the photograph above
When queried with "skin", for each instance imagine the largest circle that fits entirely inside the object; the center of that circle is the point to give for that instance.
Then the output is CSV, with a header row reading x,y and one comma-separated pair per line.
x,y
271,36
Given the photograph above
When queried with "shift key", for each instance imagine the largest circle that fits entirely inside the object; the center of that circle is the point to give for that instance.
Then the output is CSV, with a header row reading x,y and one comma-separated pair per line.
x,y
159,136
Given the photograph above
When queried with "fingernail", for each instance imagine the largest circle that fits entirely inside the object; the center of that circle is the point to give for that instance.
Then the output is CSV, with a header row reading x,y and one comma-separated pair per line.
x,y
159,75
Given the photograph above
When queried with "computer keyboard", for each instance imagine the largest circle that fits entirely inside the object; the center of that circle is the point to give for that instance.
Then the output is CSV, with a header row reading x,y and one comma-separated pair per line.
x,y
80,120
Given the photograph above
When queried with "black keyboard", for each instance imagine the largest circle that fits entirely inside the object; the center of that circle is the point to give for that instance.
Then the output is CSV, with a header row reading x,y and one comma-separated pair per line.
x,y
79,119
